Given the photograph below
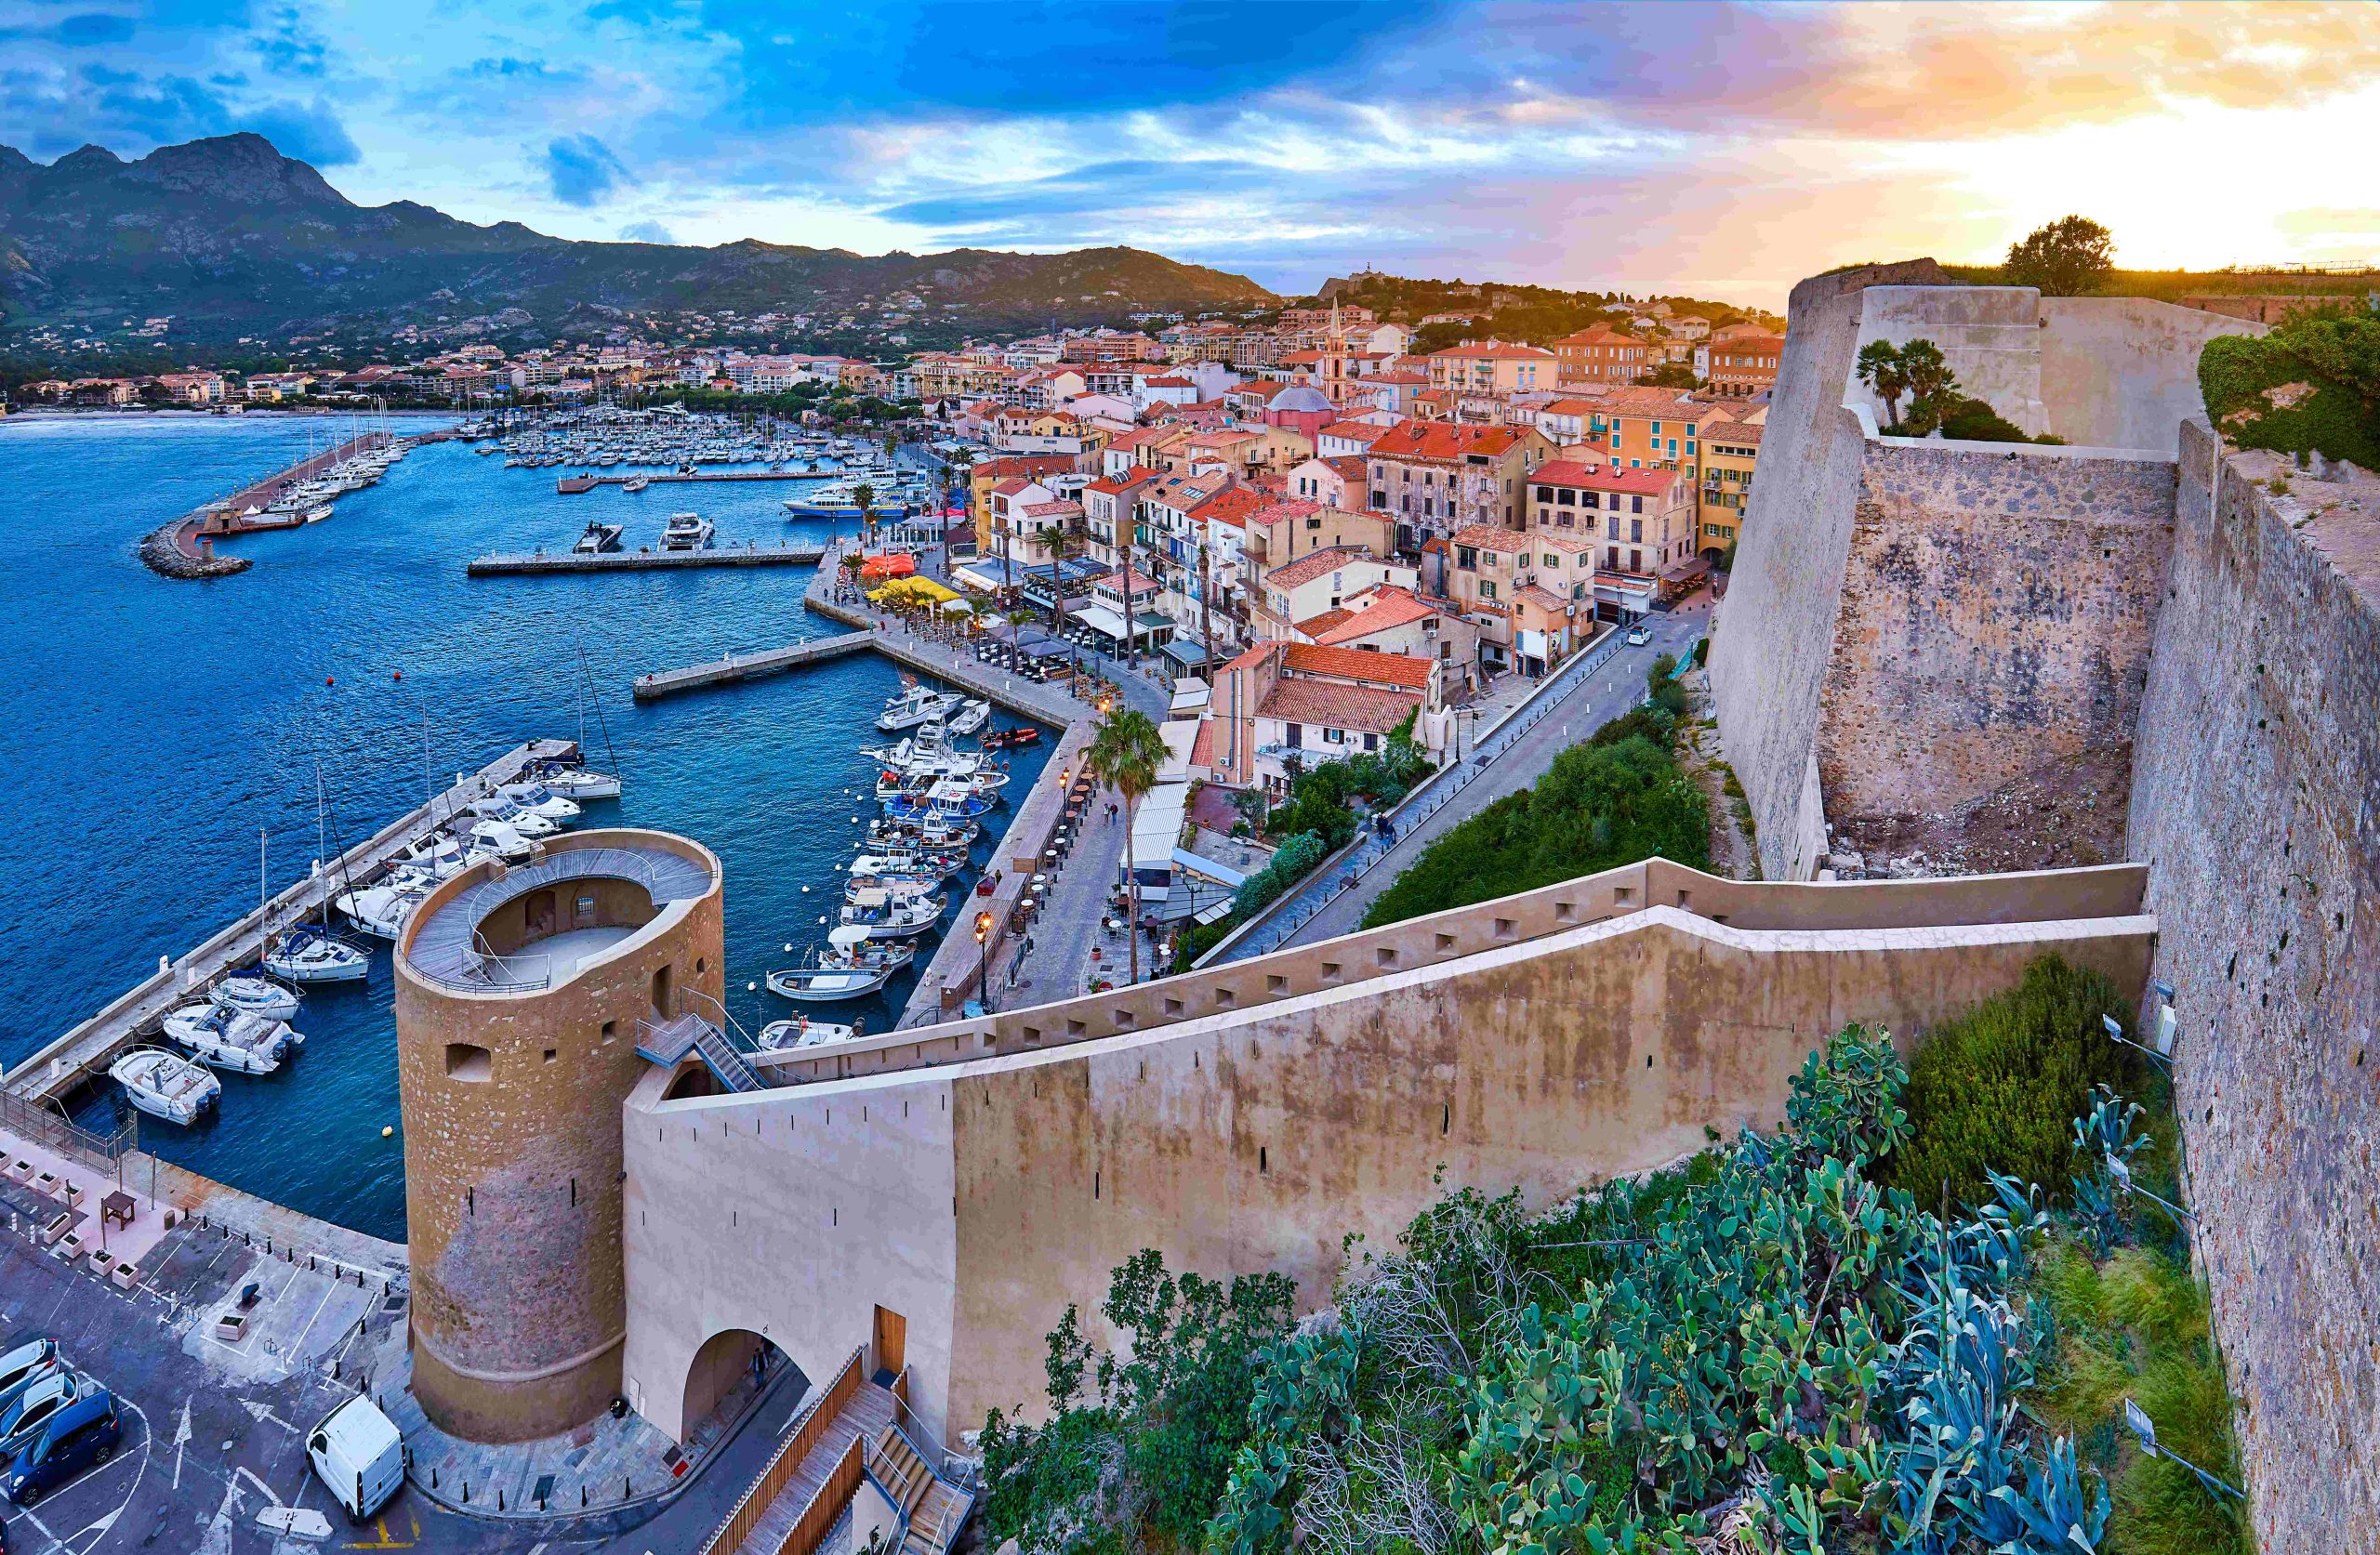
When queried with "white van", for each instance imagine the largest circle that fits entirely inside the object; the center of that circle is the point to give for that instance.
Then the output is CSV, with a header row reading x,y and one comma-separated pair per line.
x,y
358,1453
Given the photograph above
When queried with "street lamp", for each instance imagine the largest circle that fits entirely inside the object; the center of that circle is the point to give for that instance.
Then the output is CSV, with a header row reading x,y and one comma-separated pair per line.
x,y
984,960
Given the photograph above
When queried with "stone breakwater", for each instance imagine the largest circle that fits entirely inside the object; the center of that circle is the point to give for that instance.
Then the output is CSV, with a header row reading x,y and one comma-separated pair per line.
x,y
171,550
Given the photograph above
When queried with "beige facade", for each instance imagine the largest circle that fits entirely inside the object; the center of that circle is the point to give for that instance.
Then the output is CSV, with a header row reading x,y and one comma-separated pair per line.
x,y
520,998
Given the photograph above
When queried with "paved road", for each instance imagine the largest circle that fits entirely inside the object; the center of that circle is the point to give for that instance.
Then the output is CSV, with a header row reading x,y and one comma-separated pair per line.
x,y
1603,695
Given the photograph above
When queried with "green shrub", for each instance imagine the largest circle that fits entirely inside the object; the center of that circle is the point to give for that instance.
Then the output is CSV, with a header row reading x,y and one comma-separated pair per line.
x,y
2335,354
1998,1088
1294,861
1601,805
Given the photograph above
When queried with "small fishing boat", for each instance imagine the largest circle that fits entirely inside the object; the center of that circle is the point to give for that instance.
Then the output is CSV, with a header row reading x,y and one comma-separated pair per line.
x,y
1009,739
222,1039
886,917
164,1084
925,863
900,883
971,717
317,513
915,705
945,800
779,1036
599,538
688,532
884,832
310,955
850,969
252,993
437,856
636,483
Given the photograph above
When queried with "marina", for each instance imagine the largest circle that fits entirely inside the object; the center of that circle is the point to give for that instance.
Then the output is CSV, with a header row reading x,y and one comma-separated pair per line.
x,y
299,494
745,666
576,485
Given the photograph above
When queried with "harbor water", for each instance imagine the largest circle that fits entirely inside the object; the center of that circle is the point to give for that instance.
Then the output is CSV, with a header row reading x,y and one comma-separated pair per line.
x,y
154,726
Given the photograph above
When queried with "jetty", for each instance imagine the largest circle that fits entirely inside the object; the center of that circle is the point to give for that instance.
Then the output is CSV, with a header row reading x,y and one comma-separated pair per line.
x,y
525,562
62,1067
749,667
185,548
574,485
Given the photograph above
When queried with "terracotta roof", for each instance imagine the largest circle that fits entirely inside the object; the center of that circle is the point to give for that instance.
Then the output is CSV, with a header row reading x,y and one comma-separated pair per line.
x,y
1011,486
1598,334
1118,487
1743,434
1443,441
1385,607
1025,464
1564,472
1231,506
1317,626
1544,599
1051,509
1349,663
1571,405
1490,537
1350,466
1362,709
1638,482
1312,564
1645,399
1353,431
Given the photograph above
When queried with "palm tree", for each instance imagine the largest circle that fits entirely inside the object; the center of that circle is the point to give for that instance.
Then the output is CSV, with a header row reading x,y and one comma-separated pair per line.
x,y
863,497
1125,755
1050,538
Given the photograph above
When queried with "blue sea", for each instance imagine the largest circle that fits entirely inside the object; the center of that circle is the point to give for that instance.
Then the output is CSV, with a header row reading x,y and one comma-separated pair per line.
x,y
154,726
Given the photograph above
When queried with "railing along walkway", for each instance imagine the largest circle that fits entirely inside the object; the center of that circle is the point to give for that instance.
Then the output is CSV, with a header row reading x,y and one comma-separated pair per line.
x,y
869,1410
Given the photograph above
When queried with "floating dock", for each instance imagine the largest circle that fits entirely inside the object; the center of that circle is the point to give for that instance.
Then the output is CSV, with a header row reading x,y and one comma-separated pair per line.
x,y
644,562
85,1051
749,667
571,485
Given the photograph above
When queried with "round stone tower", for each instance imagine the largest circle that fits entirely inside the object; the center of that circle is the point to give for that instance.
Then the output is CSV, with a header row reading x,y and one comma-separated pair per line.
x,y
522,994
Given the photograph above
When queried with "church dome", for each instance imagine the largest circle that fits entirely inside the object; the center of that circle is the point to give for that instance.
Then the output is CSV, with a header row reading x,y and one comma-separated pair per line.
x,y
1300,397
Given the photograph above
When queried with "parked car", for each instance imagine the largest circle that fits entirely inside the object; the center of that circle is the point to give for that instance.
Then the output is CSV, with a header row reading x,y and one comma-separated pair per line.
x,y
22,1423
358,1454
26,1363
80,1435
1639,636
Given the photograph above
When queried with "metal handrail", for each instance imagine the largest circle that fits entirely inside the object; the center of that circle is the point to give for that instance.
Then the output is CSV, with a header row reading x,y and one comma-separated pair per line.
x,y
487,952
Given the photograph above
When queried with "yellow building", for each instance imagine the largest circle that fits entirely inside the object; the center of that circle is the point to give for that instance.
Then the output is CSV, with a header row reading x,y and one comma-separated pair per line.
x,y
1730,449
1492,367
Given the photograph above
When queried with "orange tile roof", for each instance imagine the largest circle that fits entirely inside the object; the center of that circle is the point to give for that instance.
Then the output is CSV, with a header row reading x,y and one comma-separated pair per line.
x,y
1443,441
1317,626
1312,564
1231,506
1353,664
1645,399
1496,350
1353,431
1490,537
1390,607
1363,708
1564,472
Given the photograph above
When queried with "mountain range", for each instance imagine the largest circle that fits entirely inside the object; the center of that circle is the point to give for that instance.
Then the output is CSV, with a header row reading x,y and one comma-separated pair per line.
x,y
230,238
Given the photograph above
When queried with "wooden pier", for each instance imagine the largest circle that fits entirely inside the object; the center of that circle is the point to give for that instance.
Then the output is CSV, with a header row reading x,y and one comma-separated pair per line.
x,y
643,561
85,1051
749,667
572,486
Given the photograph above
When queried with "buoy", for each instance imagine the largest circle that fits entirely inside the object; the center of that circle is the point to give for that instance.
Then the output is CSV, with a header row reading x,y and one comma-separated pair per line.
x,y
789,945
330,679
400,674
805,890
822,918
750,986
387,1132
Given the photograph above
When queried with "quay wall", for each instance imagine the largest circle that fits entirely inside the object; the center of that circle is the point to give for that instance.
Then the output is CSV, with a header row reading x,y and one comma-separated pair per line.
x,y
2255,803
978,1194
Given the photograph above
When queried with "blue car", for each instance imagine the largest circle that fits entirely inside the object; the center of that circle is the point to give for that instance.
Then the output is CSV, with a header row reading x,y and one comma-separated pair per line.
x,y
81,1435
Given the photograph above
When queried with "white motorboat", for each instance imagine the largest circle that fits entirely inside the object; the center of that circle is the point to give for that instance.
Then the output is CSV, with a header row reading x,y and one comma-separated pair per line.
x,y
224,1038
915,705
164,1084
636,483
850,969
578,784
923,864
318,513
311,956
886,917
885,833
438,856
779,1036
529,824
971,717
491,837
688,532
381,911
899,882
254,993
597,538
539,799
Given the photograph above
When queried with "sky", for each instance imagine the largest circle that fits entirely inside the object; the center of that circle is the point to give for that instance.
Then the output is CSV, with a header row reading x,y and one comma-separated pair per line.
x,y
1712,150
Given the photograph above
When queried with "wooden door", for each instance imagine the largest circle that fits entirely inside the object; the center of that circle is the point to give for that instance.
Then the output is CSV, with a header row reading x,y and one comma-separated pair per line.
x,y
891,1342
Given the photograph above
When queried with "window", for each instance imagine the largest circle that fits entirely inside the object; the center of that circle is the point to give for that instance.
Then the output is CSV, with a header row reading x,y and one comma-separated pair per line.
x,y
1636,504
1371,741
1635,529
1635,562
1334,736
468,1061
1486,588
1466,558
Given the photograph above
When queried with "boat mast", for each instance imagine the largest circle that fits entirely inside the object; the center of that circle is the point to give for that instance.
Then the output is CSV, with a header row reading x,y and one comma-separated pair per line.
x,y
264,915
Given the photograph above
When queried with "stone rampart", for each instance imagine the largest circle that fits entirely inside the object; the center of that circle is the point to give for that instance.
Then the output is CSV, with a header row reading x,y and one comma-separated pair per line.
x,y
2256,804
977,1197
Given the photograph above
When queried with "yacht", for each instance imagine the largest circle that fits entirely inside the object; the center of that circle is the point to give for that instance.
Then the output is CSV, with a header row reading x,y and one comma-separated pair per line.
x,y
840,499
927,750
537,798
886,833
254,994
915,705
164,1084
688,532
779,1036
224,1038
309,955
578,784
438,856
530,825
598,538
886,917
489,837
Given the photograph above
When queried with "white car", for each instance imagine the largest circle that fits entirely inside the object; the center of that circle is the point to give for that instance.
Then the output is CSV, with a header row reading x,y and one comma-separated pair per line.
x,y
1639,636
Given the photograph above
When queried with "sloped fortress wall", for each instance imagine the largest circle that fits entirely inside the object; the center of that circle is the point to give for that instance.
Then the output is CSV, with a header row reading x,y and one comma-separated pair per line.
x,y
2256,805
977,1196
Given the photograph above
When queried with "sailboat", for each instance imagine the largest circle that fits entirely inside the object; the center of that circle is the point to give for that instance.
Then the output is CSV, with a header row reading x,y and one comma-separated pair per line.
x,y
312,953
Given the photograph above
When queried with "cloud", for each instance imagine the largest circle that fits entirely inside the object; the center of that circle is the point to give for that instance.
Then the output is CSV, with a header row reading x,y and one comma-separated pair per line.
x,y
92,30
645,231
582,170
311,132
